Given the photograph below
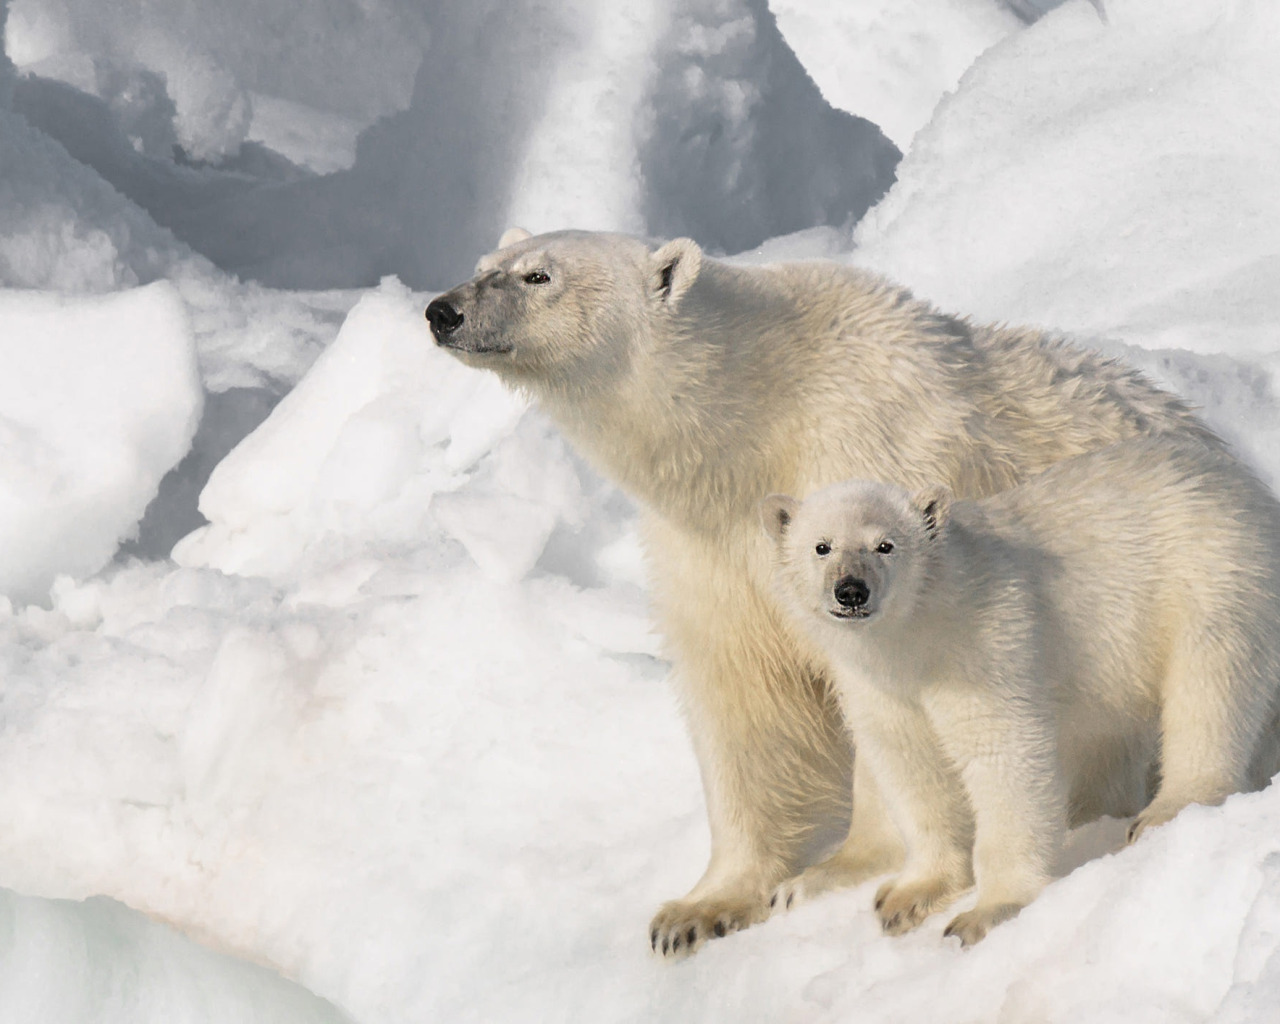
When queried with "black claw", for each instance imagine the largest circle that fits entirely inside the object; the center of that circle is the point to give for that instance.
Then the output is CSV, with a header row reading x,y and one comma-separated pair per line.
x,y
880,900
949,930
693,934
653,939
773,900
719,929
790,896
675,944
664,947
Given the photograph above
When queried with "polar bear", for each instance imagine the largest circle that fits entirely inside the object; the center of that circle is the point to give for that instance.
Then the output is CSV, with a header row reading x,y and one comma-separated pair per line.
x,y
701,387
993,657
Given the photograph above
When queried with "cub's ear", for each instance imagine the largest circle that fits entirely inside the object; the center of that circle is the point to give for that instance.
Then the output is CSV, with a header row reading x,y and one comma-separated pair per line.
x,y
673,269
934,506
776,513
511,236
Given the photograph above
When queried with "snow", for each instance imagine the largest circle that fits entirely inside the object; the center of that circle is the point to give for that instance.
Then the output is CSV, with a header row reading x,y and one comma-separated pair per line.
x,y
624,117
358,61
99,399
380,425
891,61
392,721
1139,207
99,961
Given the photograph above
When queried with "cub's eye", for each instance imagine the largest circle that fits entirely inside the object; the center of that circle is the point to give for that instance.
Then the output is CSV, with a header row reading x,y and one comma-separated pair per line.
x,y
537,277
823,548
884,547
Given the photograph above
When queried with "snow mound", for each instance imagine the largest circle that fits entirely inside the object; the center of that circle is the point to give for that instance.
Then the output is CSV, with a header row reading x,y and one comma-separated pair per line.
x,y
389,443
66,228
891,61
381,423
1105,179
62,227
98,961
358,61
99,399
356,779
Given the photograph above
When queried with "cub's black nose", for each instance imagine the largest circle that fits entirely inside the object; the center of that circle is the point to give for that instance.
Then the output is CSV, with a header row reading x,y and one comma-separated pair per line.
x,y
851,593
443,317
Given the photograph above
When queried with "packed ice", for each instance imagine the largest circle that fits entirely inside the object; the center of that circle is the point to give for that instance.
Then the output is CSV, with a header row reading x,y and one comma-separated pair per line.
x,y
328,686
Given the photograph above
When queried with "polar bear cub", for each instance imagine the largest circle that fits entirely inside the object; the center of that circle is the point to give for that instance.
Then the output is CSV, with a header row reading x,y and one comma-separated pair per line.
x,y
1111,625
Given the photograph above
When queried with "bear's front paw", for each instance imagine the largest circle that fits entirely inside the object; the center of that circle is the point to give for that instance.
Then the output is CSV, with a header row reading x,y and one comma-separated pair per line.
x,y
904,904
838,872
972,925
681,926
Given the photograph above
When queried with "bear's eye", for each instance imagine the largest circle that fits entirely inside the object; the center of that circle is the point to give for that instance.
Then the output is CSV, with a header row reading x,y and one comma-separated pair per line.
x,y
823,548
884,547
537,277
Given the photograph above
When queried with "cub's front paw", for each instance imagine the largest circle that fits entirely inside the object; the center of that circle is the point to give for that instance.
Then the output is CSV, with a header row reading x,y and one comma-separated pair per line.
x,y
682,926
1153,816
903,904
972,925
838,872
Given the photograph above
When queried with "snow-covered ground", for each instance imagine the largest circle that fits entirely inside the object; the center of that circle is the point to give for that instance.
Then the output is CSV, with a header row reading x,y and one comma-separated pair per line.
x,y
392,723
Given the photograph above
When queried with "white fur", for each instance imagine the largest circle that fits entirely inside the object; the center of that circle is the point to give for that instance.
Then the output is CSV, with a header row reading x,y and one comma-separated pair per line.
x,y
511,236
1022,662
706,392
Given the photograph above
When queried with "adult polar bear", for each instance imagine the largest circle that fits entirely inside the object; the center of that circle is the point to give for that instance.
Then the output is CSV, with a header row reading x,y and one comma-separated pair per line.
x,y
702,387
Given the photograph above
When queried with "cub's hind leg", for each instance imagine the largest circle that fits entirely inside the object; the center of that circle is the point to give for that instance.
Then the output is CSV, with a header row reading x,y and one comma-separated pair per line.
x,y
1218,698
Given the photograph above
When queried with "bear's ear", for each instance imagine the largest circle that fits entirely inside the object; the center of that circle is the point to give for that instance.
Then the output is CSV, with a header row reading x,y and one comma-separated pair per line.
x,y
673,268
934,506
511,236
776,513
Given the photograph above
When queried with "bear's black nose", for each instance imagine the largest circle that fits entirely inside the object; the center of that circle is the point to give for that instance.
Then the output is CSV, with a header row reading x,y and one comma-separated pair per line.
x,y
851,593
443,317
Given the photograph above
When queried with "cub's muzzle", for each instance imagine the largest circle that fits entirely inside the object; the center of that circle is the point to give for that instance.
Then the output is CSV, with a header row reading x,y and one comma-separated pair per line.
x,y
851,593
851,596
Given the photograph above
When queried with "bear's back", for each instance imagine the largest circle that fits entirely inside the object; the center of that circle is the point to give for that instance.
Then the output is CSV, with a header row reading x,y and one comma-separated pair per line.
x,y
845,374
1137,546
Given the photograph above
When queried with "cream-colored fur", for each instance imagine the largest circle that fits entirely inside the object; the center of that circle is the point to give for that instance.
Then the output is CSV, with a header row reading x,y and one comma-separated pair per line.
x,y
701,387
1012,664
